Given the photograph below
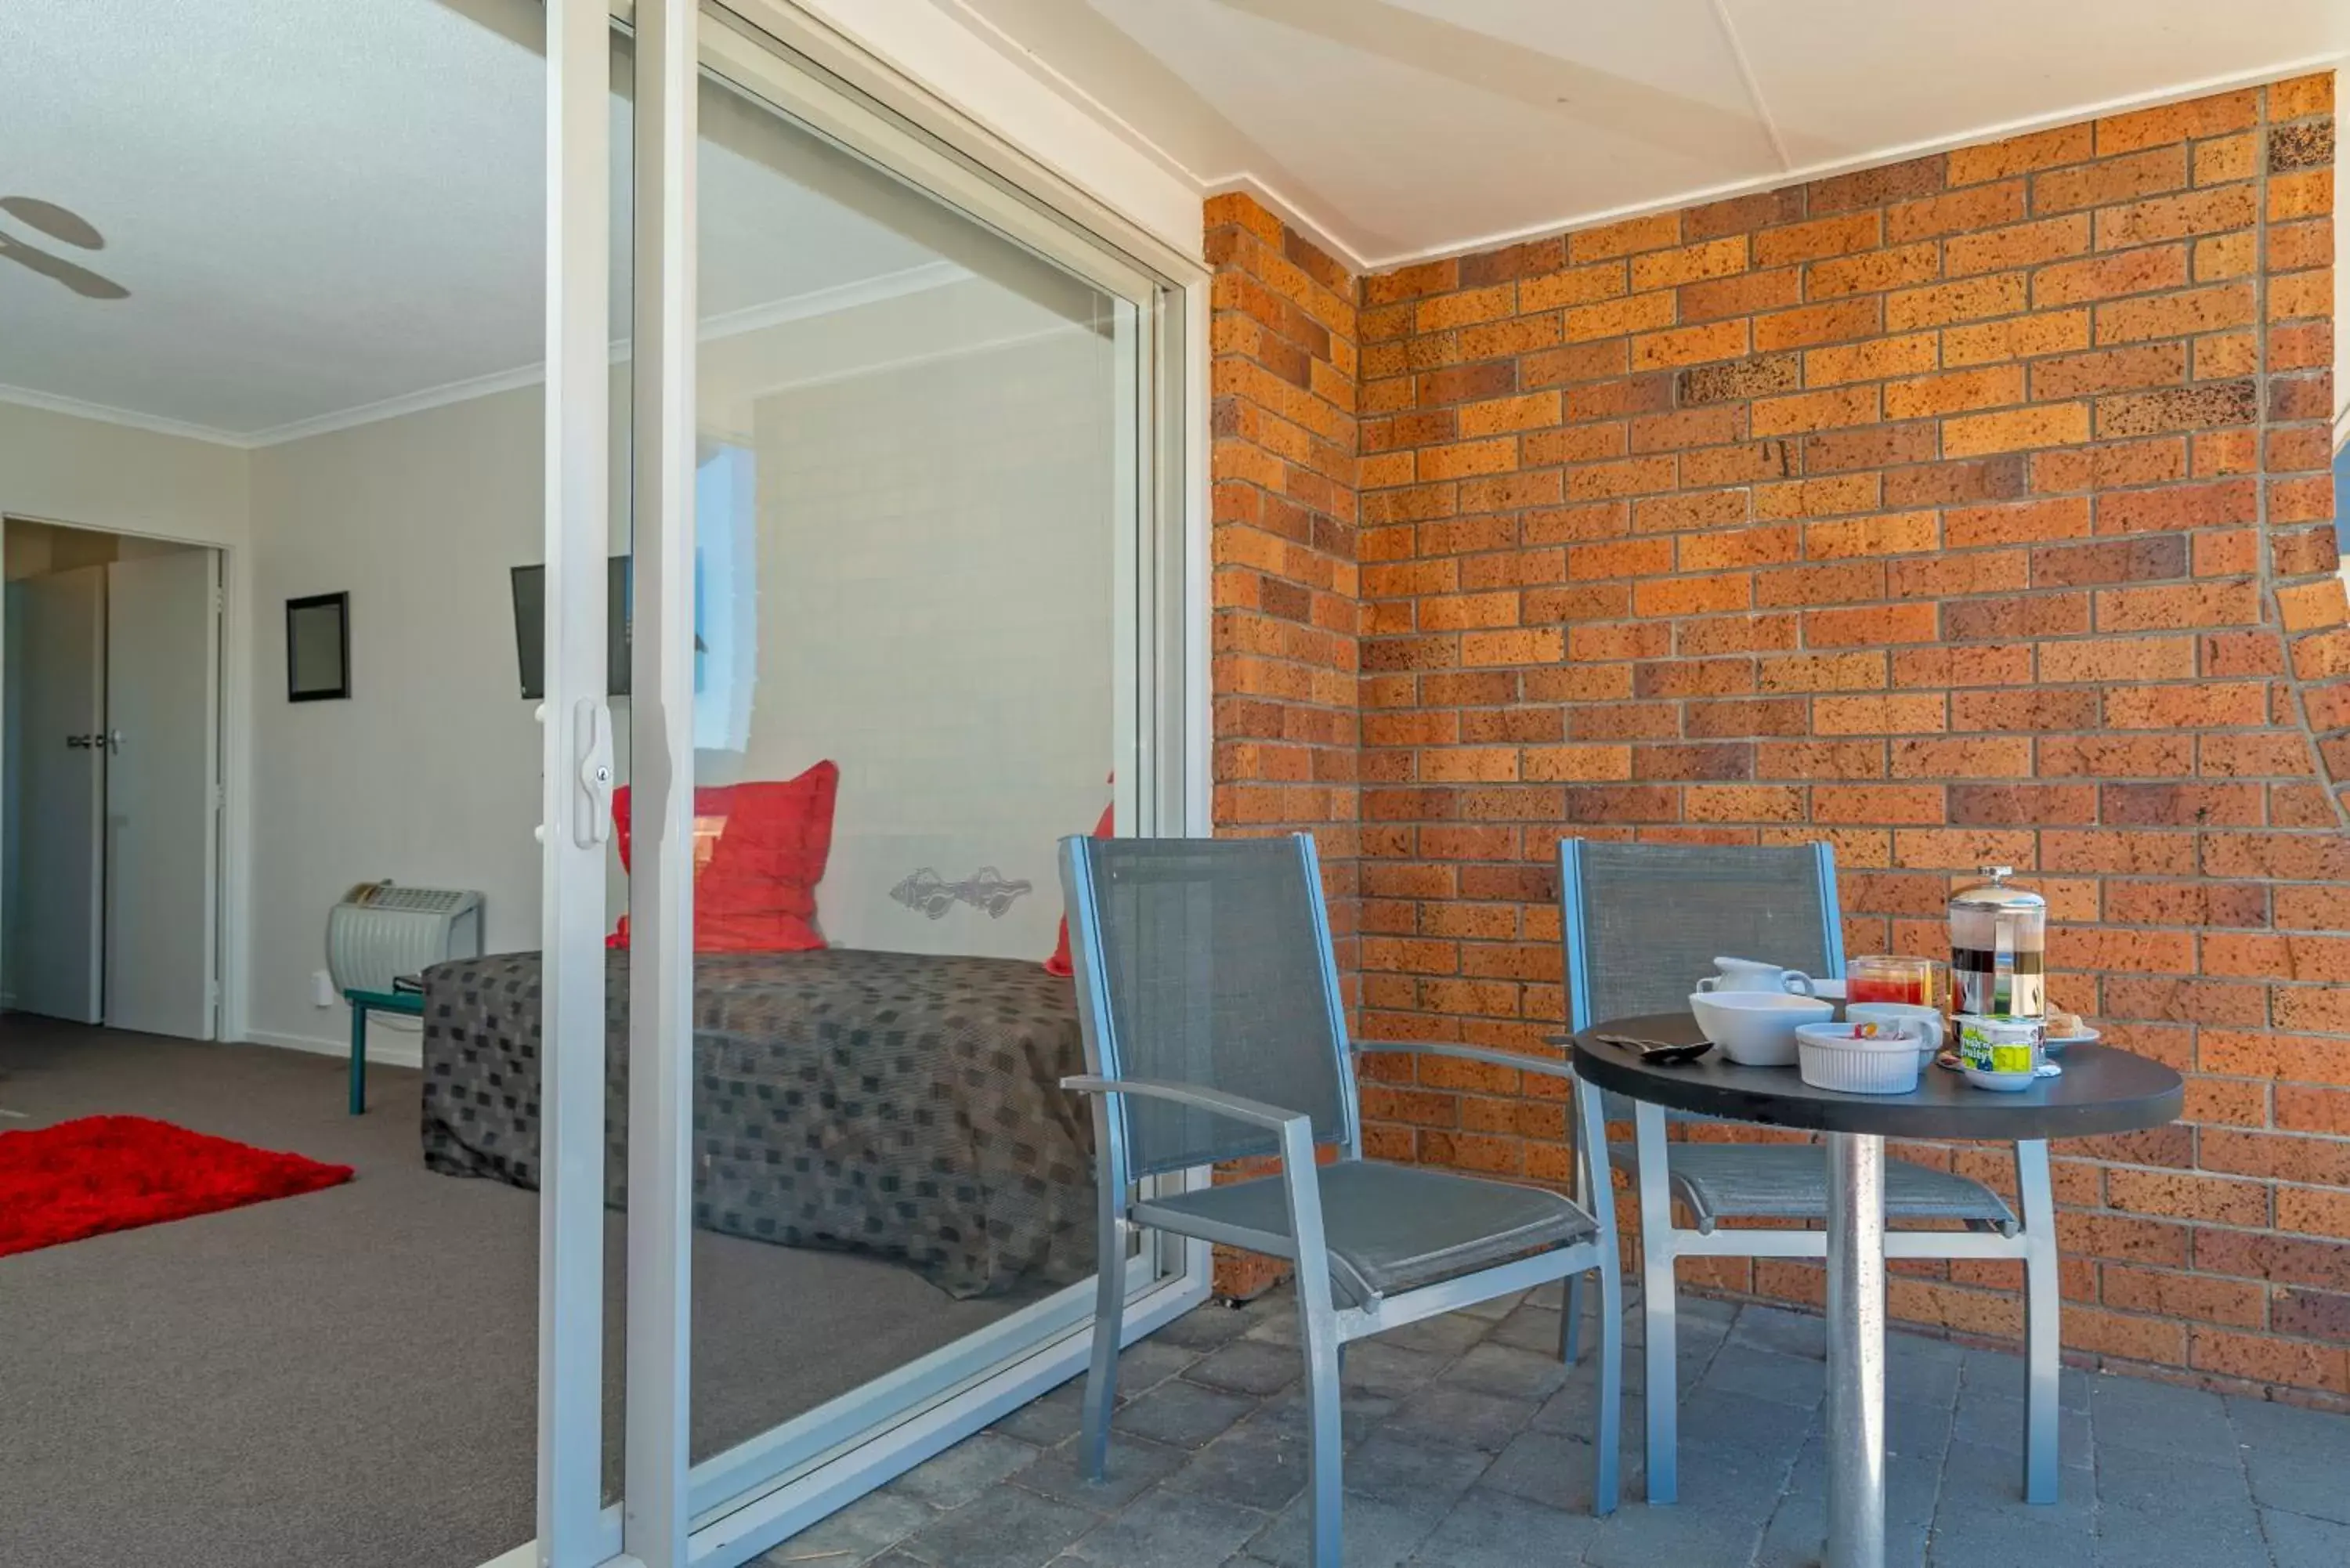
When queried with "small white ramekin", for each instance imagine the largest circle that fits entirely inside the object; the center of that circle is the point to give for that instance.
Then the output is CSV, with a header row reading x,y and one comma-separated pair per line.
x,y
1831,1057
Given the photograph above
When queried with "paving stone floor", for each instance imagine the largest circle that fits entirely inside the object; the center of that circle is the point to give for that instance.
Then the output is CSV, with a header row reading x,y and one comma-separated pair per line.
x,y
1469,1447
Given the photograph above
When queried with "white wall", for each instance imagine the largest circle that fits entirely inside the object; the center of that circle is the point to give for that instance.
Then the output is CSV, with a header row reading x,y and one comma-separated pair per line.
x,y
935,550
430,774
67,468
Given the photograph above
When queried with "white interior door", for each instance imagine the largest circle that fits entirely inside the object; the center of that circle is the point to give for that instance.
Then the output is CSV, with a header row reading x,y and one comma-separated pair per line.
x,y
163,643
56,910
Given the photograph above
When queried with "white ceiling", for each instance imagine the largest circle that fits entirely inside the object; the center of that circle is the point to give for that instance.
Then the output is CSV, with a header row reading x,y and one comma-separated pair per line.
x,y
324,206
1406,129
325,209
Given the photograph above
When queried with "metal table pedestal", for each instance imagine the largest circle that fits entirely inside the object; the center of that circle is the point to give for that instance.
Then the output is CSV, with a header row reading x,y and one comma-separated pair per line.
x,y
1855,1435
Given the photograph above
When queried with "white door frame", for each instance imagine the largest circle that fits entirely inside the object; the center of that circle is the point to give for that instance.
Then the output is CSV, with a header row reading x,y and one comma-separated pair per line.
x,y
743,1501
656,1502
233,876
576,783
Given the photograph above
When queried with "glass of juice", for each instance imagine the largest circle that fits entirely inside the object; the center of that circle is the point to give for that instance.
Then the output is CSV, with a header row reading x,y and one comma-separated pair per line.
x,y
1890,978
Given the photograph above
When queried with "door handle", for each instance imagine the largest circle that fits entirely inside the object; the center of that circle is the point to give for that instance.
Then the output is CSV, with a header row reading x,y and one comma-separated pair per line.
x,y
591,823
81,742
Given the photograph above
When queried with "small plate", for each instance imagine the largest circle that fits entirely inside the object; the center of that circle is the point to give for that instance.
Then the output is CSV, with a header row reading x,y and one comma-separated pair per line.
x,y
2055,1045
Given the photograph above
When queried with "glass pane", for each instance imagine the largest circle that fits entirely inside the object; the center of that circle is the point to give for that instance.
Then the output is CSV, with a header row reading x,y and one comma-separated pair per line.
x,y
917,520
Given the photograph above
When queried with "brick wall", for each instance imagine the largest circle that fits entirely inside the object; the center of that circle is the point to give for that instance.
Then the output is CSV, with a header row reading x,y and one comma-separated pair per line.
x,y
1283,382
1286,711
1972,508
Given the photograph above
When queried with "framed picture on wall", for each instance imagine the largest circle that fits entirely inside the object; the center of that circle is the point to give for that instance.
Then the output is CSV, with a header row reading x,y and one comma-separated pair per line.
x,y
318,647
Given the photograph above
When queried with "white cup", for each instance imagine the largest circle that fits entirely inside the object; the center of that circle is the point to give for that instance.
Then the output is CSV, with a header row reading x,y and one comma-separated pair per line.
x,y
1752,974
1907,1016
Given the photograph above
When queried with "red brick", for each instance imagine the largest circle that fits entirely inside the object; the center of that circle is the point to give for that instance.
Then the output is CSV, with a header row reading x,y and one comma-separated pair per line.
x,y
1874,187
2020,155
1828,236
2177,1295
2160,218
2179,121
2111,180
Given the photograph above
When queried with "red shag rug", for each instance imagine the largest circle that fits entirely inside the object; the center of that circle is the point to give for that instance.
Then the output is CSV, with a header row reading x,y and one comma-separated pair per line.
x,y
97,1174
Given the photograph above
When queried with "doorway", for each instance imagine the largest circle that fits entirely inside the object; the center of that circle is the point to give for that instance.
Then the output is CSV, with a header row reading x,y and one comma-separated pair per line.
x,y
911,533
109,779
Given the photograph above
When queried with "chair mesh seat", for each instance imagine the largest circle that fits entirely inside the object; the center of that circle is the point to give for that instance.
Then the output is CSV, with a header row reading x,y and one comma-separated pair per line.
x,y
1391,1228
1790,1181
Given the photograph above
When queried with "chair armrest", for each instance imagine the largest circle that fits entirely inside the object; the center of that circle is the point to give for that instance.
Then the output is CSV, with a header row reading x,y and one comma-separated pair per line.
x,y
1239,1108
1299,1174
1469,1054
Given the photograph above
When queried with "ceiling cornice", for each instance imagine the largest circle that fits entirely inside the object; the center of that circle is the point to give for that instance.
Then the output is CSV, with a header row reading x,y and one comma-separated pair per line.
x,y
1568,224
798,307
49,402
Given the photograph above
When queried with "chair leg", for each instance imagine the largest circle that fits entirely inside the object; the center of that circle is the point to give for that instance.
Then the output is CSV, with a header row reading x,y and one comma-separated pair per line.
x,y
1325,1442
2043,1304
1657,1314
1570,1324
1101,1376
1605,1483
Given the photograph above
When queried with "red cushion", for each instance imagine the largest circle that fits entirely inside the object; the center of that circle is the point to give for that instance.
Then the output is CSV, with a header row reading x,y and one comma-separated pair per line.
x,y
760,849
1059,962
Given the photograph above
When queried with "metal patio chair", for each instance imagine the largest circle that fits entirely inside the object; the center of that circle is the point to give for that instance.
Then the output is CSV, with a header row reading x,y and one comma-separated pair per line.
x,y
1640,923
1214,1032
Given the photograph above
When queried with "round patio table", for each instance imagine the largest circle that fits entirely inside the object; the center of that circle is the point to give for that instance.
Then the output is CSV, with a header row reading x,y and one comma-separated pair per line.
x,y
2103,1090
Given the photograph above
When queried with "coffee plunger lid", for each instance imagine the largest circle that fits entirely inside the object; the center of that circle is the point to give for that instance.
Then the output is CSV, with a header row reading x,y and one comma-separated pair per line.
x,y
1995,894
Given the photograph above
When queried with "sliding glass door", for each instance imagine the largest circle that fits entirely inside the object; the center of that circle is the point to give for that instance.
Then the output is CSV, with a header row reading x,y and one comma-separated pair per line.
x,y
904,506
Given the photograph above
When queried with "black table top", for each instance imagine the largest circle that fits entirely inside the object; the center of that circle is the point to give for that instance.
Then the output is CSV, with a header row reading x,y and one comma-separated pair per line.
x,y
2104,1090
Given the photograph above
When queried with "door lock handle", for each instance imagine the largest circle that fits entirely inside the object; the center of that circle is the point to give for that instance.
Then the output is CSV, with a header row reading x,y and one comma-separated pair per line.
x,y
83,743
592,813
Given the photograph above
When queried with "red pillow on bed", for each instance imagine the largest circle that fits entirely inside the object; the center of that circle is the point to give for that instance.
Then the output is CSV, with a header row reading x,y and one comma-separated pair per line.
x,y
759,851
1059,962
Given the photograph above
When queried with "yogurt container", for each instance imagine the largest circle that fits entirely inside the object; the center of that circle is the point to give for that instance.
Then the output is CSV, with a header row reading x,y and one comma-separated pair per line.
x,y
1999,1047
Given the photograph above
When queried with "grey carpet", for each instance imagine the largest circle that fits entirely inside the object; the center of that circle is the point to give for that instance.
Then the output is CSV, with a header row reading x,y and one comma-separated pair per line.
x,y
346,1379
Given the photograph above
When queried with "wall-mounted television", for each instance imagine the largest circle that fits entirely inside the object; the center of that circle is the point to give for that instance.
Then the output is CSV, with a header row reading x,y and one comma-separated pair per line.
x,y
530,627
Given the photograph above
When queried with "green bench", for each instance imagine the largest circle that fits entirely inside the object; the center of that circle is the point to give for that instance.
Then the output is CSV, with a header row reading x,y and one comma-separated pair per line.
x,y
409,1004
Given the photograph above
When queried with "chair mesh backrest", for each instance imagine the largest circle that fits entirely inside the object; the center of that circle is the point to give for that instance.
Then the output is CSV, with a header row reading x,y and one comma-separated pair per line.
x,y
1653,917
1210,960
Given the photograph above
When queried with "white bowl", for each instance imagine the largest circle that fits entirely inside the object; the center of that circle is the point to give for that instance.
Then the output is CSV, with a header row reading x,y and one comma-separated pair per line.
x,y
1835,1056
1757,1028
1929,1019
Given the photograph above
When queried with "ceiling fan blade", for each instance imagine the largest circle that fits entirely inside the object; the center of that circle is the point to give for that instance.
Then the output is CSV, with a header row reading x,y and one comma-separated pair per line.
x,y
57,223
81,280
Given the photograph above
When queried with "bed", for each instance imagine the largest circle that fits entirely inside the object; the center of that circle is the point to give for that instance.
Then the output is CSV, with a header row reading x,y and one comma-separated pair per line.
x,y
902,1106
